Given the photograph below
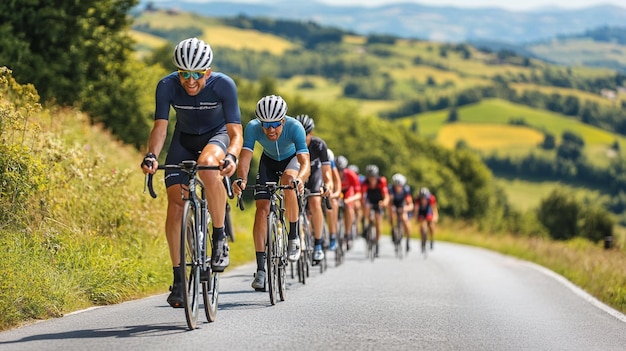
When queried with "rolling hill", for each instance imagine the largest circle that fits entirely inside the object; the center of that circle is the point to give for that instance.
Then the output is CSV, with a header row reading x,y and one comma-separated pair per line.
x,y
391,77
438,23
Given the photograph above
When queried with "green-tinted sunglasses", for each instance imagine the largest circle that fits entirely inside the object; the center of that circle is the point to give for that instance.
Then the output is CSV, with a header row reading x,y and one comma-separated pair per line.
x,y
188,74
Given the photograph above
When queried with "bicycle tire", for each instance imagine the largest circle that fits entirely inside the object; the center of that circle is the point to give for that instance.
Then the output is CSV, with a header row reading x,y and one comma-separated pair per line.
x,y
325,238
270,256
372,240
398,241
189,249
211,288
281,266
228,225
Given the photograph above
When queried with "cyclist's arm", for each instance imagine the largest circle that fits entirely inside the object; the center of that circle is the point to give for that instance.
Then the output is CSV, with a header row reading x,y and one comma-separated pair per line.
x,y
305,166
336,183
157,136
327,175
435,213
243,168
408,204
235,133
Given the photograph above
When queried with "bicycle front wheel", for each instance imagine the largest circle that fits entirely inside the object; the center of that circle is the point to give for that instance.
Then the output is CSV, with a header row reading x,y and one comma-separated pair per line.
x,y
189,253
210,288
271,257
281,266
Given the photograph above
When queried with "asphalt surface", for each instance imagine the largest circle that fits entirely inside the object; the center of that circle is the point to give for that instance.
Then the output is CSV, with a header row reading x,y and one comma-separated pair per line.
x,y
459,298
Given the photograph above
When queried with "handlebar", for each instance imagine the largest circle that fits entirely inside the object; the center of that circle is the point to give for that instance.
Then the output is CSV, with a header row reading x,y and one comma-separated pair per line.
x,y
268,185
189,167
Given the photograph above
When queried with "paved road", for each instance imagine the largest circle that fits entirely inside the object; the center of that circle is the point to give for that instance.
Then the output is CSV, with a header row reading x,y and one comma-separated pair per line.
x,y
460,298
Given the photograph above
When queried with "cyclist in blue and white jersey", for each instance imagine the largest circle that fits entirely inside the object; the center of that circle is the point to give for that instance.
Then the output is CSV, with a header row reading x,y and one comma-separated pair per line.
x,y
208,129
285,152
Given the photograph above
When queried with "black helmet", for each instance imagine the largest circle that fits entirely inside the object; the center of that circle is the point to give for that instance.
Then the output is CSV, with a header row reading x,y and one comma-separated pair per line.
x,y
307,122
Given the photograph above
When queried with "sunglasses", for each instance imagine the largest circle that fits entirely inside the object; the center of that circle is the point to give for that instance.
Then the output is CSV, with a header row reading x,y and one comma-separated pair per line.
x,y
268,125
188,74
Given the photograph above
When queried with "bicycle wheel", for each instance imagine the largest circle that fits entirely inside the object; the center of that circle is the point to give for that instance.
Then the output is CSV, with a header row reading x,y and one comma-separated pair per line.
x,y
281,266
210,288
325,238
424,234
189,252
270,256
398,241
228,225
373,244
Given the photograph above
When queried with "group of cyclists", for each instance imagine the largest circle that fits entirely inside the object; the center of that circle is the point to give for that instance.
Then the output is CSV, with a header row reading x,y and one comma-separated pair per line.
x,y
209,130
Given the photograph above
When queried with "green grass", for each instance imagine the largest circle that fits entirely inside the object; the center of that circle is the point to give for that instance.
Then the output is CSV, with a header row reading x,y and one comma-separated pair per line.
x,y
525,194
600,272
487,137
499,112
87,235
580,51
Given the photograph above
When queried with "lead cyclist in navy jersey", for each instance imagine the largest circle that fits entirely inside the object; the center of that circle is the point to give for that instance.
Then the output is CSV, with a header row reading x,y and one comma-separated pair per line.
x,y
208,129
285,159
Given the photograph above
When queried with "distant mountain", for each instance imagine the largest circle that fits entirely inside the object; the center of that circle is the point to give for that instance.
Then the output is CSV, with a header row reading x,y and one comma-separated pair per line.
x,y
438,23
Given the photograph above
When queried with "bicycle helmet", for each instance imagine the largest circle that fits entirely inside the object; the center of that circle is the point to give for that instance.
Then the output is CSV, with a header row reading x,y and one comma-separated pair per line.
x,y
398,179
342,162
371,171
271,108
307,122
331,155
424,192
193,54
354,168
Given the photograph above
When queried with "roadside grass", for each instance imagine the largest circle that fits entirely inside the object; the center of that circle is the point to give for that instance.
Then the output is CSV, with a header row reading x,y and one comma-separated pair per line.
x,y
602,273
86,234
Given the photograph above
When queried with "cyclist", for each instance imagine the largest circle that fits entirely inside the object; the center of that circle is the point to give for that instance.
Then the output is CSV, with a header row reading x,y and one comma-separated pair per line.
x,y
401,198
351,191
375,197
333,214
320,181
426,210
285,158
358,206
208,129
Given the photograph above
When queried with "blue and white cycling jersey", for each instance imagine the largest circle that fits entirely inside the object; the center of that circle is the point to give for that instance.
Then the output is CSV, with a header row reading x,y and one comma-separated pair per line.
x,y
291,141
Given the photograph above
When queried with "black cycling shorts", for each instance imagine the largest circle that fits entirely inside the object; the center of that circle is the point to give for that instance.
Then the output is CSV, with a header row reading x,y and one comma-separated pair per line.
x,y
270,170
188,147
315,181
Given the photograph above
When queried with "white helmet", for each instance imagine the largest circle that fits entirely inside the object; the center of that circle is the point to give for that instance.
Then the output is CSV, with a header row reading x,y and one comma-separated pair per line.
x,y
271,108
193,54
331,155
398,179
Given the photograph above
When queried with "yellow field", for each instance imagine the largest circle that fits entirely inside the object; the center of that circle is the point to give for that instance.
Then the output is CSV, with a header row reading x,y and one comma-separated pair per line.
x,y
583,95
489,136
146,39
164,20
324,90
354,39
245,39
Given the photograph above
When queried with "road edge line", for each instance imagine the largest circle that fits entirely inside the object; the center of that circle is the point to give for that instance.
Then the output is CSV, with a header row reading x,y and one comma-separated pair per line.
x,y
576,290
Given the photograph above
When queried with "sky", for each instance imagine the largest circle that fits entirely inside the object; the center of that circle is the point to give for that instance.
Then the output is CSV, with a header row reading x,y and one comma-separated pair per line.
x,y
505,4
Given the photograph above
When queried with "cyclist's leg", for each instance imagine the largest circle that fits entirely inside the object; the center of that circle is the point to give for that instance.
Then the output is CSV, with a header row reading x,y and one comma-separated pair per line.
x,y
431,231
332,216
406,224
174,180
211,155
292,210
259,231
378,218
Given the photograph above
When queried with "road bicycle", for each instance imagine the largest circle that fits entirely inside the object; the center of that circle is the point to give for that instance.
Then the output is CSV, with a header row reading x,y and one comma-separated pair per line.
x,y
276,240
195,246
370,235
397,233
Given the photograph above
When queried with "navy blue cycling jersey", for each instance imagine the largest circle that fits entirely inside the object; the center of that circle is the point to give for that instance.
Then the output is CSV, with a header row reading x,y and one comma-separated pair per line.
x,y
399,198
208,112
318,152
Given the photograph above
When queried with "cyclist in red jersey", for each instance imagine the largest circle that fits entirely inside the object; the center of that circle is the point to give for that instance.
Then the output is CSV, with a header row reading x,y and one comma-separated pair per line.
x,y
351,190
375,197
426,211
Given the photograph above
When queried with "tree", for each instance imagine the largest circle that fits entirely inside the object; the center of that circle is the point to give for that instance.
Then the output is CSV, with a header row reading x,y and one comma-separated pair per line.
x,y
453,115
549,141
595,224
77,53
430,81
559,214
